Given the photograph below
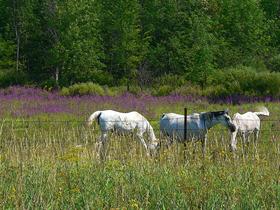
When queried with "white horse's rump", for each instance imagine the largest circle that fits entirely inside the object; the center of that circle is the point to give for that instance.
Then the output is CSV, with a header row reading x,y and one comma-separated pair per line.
x,y
123,123
246,124
198,124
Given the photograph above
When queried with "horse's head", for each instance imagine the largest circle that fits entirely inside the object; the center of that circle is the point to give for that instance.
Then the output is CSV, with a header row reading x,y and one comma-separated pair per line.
x,y
88,123
154,147
223,118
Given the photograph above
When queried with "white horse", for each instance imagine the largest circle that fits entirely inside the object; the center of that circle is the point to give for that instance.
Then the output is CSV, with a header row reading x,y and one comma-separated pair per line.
x,y
198,124
123,123
247,124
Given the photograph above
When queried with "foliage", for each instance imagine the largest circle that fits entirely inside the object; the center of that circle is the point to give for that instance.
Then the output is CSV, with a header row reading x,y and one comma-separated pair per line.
x,y
188,89
136,43
12,77
274,63
244,81
120,30
241,29
83,89
7,50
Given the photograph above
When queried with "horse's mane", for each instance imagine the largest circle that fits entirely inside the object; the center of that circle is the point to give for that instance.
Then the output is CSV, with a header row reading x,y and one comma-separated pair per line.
x,y
211,115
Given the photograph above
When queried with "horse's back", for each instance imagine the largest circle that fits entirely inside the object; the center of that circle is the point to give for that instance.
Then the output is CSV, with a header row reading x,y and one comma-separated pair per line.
x,y
122,122
248,121
173,124
135,116
121,115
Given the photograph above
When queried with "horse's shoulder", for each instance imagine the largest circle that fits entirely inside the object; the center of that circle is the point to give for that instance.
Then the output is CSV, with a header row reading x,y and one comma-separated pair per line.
x,y
194,116
236,115
135,113
171,116
134,116
168,114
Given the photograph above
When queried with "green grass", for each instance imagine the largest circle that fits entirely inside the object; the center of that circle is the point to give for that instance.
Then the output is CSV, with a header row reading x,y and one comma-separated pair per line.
x,y
41,168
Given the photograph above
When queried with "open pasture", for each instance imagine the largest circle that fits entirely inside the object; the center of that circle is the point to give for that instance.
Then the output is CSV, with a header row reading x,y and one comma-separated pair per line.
x,y
42,167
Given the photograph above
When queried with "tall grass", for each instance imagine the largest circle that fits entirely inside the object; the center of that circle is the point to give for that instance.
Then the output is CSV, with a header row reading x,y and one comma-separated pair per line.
x,y
42,167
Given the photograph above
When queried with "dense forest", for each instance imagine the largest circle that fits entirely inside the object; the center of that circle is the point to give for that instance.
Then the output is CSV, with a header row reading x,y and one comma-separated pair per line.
x,y
60,43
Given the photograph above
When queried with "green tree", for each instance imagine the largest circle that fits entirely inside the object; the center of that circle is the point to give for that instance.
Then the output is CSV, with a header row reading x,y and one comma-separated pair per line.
x,y
10,34
121,36
181,41
241,28
79,51
7,51
65,41
203,44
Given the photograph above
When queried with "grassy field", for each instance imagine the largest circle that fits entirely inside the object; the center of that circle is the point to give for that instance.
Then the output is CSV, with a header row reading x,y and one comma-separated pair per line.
x,y
41,167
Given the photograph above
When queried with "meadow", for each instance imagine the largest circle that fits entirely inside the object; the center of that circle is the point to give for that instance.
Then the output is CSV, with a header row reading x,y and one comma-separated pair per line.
x,y
41,166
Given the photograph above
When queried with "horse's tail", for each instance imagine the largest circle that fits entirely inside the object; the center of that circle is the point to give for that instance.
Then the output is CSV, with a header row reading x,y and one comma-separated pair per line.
x,y
262,111
93,117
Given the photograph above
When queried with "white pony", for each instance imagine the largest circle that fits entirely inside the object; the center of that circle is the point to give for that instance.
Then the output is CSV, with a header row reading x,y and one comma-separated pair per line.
x,y
246,124
123,123
198,124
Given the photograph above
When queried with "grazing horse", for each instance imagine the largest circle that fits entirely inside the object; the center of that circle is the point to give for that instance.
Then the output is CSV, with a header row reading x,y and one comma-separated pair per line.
x,y
198,124
247,124
123,123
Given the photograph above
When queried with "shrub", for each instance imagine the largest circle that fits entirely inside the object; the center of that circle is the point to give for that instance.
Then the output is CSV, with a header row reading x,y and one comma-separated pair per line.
x,y
136,90
83,89
188,89
243,81
171,80
114,91
12,77
162,90
274,63
65,91
48,84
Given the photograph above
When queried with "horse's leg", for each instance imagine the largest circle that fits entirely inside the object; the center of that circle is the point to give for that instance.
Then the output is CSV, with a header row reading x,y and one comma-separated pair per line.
x,y
141,139
244,144
203,144
256,136
233,141
102,145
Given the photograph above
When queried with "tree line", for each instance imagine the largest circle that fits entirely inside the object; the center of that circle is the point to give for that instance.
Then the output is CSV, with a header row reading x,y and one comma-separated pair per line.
x,y
59,42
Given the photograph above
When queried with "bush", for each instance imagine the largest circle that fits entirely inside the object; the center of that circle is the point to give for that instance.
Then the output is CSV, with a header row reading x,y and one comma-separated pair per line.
x,y
274,63
171,80
162,90
83,89
188,89
243,81
136,90
49,84
114,91
12,77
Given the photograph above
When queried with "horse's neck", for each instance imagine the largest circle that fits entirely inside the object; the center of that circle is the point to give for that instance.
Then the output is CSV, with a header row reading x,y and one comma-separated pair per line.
x,y
150,132
209,124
